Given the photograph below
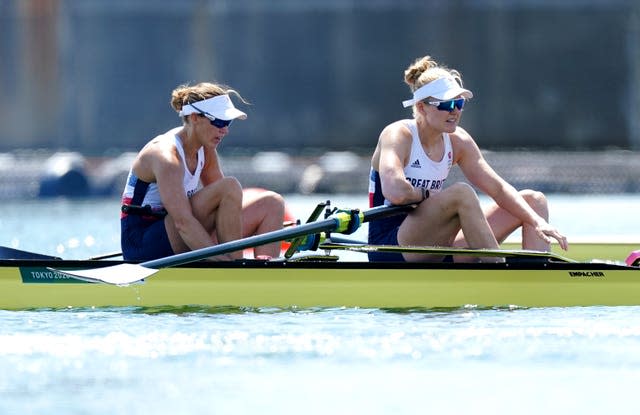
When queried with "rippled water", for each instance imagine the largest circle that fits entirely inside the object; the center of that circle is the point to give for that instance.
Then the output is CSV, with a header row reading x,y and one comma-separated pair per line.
x,y
312,361
320,361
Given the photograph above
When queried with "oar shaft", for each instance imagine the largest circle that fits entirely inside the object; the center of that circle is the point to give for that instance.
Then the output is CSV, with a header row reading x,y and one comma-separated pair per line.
x,y
240,244
126,273
326,225
105,256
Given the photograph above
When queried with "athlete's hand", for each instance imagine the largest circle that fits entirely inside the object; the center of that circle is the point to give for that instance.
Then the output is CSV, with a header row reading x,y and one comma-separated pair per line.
x,y
547,232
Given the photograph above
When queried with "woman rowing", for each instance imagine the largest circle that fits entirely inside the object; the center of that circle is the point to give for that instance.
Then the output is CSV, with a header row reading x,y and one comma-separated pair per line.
x,y
177,198
412,160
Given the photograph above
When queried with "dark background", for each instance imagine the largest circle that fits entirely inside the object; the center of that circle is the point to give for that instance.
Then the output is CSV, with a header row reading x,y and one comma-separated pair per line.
x,y
95,76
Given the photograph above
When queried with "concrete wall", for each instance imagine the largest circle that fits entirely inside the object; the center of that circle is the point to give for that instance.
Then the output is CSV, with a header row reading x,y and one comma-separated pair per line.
x,y
95,76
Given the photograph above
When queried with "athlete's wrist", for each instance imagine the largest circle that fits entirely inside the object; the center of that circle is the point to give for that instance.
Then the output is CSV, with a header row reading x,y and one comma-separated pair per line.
x,y
425,194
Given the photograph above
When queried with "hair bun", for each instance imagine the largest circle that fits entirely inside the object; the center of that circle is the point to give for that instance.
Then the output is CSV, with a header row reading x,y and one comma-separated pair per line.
x,y
417,68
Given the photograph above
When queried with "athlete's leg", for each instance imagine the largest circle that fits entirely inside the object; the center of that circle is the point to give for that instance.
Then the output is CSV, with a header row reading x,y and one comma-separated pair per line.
x,y
262,211
437,221
217,207
504,223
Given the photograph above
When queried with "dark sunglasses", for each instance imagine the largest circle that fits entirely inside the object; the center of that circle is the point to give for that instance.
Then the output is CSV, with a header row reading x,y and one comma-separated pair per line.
x,y
448,105
216,122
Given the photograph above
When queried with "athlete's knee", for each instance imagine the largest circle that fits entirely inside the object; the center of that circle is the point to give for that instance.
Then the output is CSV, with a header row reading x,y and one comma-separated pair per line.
x,y
232,183
272,205
462,190
231,187
537,200
274,201
465,196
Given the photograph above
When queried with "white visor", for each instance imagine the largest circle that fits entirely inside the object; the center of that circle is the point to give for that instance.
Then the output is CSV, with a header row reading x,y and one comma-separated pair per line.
x,y
442,89
219,107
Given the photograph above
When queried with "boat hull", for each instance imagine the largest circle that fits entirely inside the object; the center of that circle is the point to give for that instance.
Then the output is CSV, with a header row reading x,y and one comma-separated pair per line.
x,y
256,284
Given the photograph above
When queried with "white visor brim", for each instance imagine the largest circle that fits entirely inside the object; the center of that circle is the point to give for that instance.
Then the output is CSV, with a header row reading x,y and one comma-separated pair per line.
x,y
442,89
221,107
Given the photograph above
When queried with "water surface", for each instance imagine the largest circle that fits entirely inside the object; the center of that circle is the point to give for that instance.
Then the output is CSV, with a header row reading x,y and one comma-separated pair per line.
x,y
313,361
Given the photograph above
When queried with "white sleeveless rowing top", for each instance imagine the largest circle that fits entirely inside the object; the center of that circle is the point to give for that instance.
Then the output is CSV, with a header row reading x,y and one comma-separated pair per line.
x,y
140,193
421,171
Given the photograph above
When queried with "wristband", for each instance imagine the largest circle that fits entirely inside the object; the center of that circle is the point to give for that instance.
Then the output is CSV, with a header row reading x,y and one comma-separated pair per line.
x,y
425,193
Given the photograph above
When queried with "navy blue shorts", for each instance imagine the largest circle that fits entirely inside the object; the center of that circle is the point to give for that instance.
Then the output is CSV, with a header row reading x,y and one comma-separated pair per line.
x,y
381,235
143,239
389,237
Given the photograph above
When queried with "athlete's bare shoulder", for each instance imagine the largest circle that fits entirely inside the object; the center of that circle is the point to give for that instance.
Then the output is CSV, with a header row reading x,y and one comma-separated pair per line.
x,y
395,132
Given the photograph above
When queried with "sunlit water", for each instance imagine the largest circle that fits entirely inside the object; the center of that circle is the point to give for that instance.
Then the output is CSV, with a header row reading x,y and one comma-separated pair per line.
x,y
311,361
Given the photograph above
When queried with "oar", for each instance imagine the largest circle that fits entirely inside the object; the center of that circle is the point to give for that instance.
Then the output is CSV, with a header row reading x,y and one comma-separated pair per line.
x,y
342,221
105,256
108,255
13,253
437,250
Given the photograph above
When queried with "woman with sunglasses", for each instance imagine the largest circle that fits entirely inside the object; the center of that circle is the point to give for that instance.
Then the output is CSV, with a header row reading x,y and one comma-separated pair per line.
x,y
411,163
177,199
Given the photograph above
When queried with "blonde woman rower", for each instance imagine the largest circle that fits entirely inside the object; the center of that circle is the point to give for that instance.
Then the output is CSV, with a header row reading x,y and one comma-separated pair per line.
x,y
412,161
177,198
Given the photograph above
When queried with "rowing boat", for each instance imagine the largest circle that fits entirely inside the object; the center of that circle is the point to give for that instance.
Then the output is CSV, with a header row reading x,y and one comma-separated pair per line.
x,y
321,279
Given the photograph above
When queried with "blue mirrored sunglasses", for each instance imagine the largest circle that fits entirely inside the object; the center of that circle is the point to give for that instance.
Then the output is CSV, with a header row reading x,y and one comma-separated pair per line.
x,y
448,105
216,122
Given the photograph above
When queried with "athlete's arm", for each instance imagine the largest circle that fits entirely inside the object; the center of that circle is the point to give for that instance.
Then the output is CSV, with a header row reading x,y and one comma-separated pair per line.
x,y
394,147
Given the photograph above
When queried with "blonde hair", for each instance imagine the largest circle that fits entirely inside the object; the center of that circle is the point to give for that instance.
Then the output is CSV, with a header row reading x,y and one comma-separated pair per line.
x,y
425,70
187,94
